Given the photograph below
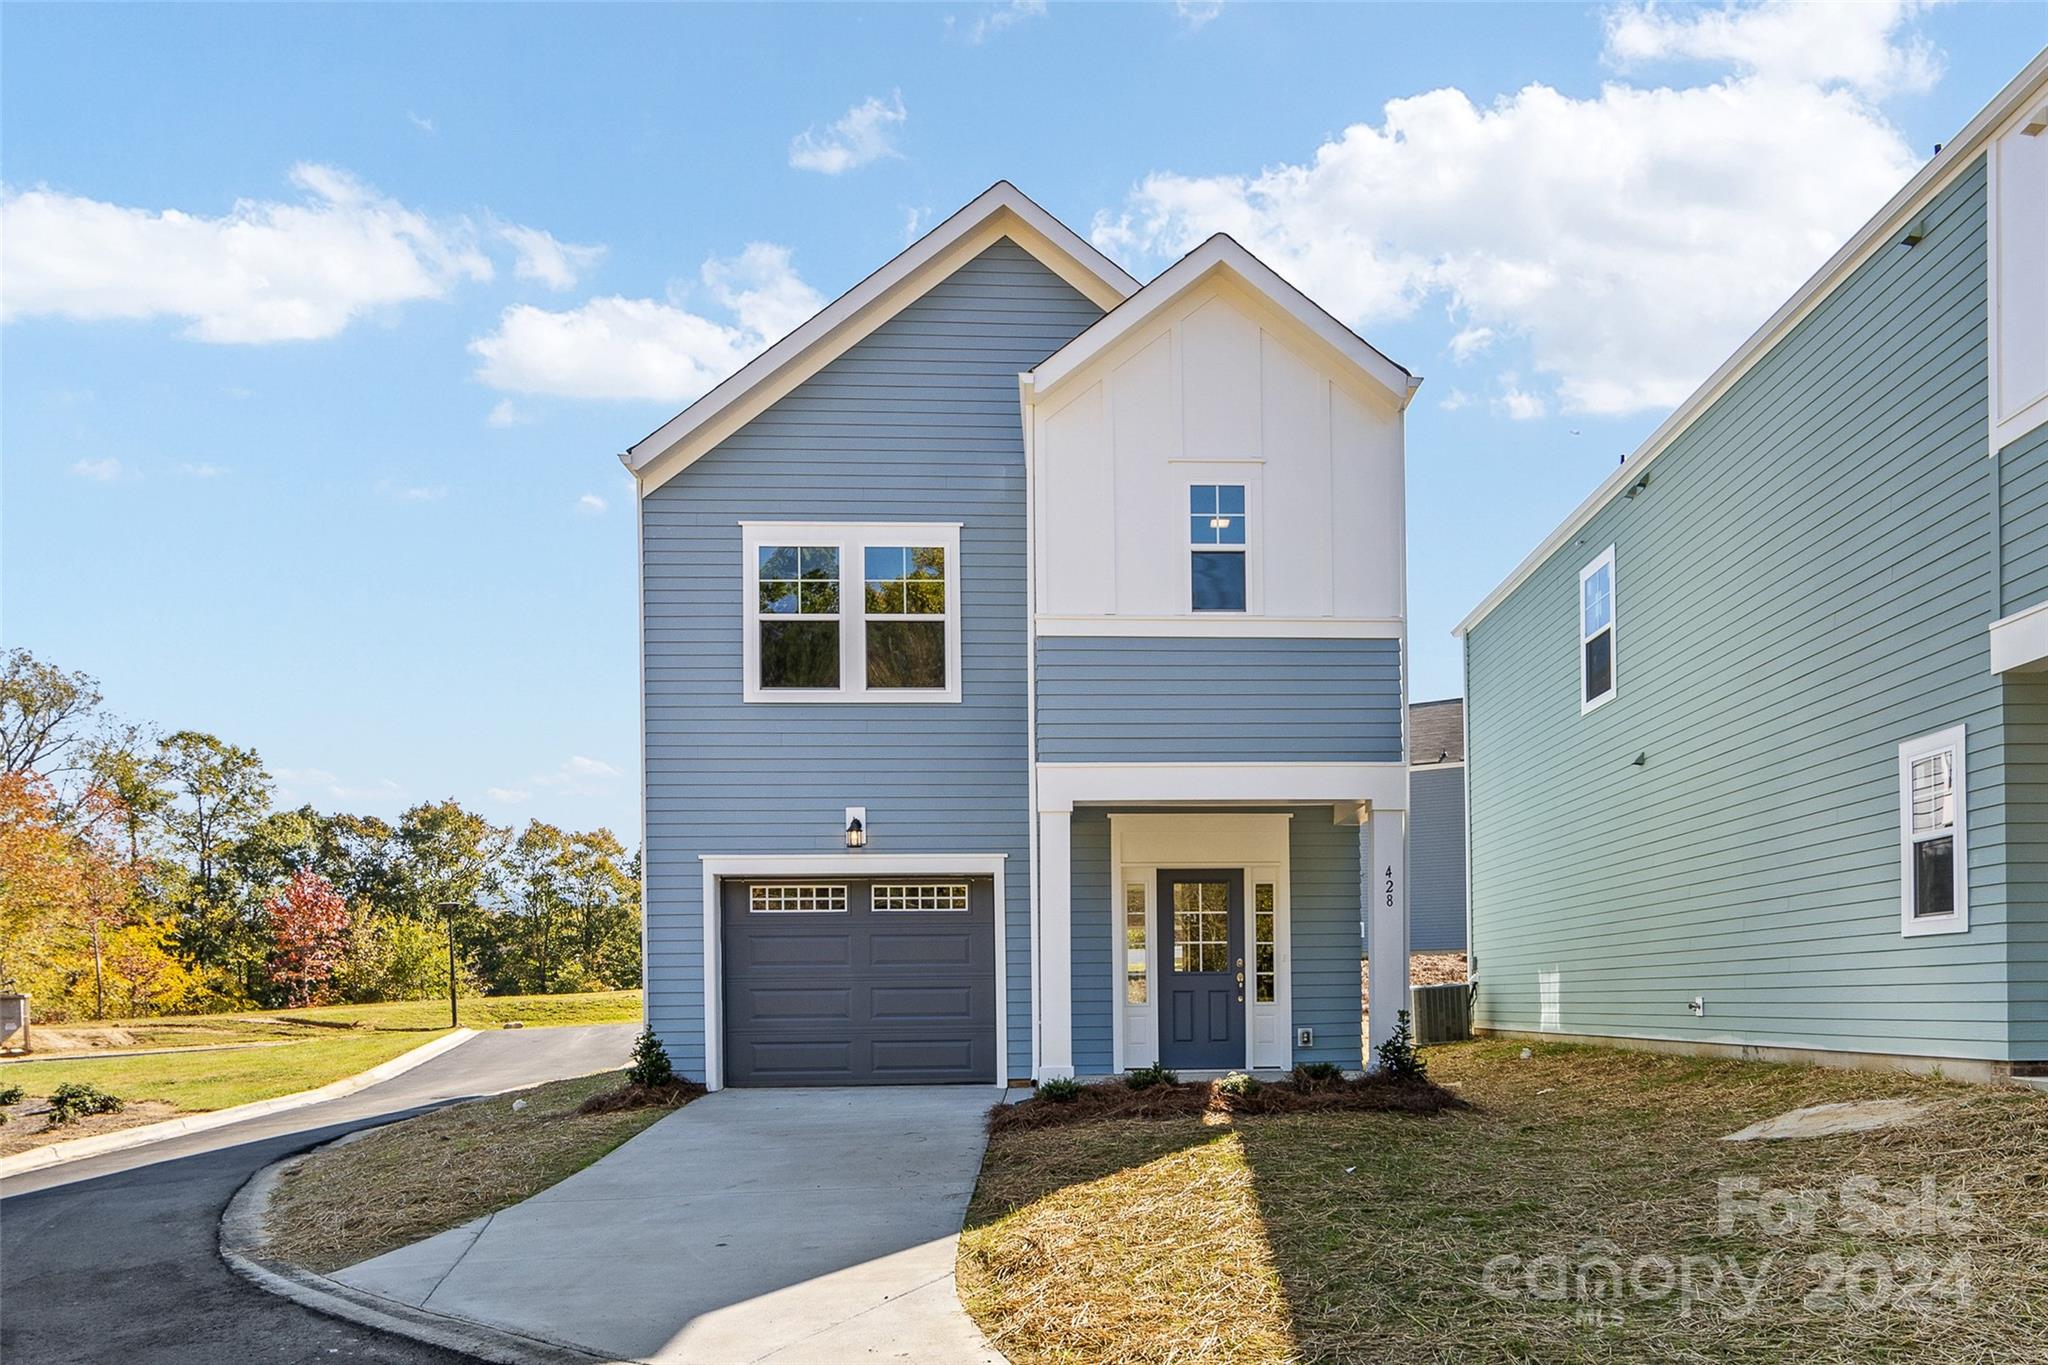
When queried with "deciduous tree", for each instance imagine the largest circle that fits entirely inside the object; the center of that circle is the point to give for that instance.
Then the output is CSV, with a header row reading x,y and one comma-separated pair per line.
x,y
309,933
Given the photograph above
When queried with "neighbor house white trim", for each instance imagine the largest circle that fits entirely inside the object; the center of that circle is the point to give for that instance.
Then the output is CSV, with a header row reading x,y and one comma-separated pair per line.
x,y
2019,642
2013,415
1062,785
1954,158
851,538
1225,625
998,212
1948,741
1222,254
1604,560
721,865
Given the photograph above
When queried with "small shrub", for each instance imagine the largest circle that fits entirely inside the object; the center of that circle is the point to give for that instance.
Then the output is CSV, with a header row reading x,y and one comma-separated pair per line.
x,y
1238,1085
1310,1077
1060,1090
11,1094
1399,1061
1145,1077
75,1100
651,1066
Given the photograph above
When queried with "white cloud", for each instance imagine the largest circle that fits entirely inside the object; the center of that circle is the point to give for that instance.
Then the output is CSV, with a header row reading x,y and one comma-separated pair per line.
x,y
998,17
1454,400
1783,40
1580,228
264,271
914,220
398,492
1195,15
317,784
558,265
592,504
1470,342
201,470
578,775
509,796
506,414
616,347
1518,403
99,471
420,121
863,134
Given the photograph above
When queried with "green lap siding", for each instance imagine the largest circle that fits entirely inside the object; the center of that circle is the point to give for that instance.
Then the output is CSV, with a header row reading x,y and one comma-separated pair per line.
x,y
2023,521
1805,583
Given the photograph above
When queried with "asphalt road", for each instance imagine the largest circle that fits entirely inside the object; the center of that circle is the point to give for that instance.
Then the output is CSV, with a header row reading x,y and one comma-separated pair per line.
x,y
116,1258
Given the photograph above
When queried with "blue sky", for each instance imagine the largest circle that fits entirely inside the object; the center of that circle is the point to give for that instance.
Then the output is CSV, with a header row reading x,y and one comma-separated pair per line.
x,y
324,325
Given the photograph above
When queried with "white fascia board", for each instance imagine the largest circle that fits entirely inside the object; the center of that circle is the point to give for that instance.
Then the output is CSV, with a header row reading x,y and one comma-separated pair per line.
x,y
856,864
1001,210
1222,253
1061,786
1953,159
2019,642
1218,626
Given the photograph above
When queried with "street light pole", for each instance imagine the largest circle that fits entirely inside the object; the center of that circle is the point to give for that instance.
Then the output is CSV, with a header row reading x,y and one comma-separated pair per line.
x,y
454,1017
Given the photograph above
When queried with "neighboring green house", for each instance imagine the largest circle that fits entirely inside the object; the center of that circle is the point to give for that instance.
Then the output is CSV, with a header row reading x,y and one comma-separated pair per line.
x,y
1758,738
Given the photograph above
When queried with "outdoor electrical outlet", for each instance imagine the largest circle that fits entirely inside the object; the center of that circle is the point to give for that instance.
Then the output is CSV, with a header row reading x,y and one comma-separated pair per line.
x,y
1698,1004
1304,1037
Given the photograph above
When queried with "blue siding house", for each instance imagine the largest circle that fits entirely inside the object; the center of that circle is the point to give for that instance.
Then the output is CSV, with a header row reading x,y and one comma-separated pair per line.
x,y
1022,675
1758,738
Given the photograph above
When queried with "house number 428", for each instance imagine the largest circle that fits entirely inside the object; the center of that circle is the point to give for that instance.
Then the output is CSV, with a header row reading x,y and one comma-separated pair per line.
x,y
1390,885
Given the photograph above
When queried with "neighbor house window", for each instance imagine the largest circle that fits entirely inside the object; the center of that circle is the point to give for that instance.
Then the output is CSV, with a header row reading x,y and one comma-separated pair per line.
x,y
1596,631
851,612
1134,943
1265,966
1933,847
1216,546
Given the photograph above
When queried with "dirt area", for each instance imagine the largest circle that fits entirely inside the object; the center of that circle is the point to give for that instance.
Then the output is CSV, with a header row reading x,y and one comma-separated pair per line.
x,y
1424,969
28,1123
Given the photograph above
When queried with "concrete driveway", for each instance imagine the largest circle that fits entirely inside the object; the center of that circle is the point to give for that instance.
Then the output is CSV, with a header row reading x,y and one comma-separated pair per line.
x,y
754,1225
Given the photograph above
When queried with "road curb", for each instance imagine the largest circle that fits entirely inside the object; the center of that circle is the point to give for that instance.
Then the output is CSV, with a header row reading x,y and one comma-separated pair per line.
x,y
241,1246
57,1153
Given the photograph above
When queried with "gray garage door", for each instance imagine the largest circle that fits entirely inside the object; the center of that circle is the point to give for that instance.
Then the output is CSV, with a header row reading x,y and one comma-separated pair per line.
x,y
859,981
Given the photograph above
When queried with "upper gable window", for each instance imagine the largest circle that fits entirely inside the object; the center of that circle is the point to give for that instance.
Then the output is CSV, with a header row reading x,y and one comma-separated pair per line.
x,y
1596,632
852,612
1216,546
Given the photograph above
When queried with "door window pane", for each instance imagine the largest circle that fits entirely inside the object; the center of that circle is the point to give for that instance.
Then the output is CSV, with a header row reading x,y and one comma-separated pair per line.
x,y
1134,944
1265,976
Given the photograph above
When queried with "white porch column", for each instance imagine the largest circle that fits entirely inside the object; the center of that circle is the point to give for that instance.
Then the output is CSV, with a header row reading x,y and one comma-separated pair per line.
x,y
1386,890
1053,955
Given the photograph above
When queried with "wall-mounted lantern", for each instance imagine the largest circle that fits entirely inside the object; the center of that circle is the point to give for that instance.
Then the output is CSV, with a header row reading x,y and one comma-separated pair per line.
x,y
856,826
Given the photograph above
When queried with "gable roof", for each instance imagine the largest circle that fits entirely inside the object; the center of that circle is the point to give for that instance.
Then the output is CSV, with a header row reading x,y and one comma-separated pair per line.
x,y
1950,161
1000,211
1223,254
1436,732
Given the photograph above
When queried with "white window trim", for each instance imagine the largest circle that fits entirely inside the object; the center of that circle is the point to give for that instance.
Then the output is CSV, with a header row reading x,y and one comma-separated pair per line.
x,y
851,539
1911,926
1604,561
1254,582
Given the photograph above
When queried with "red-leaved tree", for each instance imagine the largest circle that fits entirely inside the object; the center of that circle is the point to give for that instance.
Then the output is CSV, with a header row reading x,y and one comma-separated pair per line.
x,y
308,932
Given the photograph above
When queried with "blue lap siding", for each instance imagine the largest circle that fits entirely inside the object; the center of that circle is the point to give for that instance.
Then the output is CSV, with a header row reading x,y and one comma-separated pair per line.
x,y
917,421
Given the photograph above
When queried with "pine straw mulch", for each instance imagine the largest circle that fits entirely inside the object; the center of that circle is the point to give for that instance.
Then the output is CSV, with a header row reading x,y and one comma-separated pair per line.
x,y
1108,1100
1360,1237
397,1185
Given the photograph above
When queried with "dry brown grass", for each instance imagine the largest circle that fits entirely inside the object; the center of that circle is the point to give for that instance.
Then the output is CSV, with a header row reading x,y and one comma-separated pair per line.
x,y
397,1185
1366,1237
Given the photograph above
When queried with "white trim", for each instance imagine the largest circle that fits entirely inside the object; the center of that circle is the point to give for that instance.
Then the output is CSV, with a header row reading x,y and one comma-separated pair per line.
x,y
1224,624
1949,741
2006,426
1052,953
851,539
717,866
998,212
2019,642
1221,253
1953,159
640,668
1604,560
1062,785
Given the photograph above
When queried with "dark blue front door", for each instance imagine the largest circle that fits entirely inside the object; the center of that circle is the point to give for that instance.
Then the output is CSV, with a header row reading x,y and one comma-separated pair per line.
x,y
1201,940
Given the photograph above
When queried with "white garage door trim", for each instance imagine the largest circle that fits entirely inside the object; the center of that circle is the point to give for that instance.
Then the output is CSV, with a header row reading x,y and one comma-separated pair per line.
x,y
718,866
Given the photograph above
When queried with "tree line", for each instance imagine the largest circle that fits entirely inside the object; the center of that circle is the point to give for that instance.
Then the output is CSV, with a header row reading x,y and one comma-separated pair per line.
x,y
150,873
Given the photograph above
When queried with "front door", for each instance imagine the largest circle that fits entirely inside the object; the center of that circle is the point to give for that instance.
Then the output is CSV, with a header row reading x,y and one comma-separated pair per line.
x,y
1201,940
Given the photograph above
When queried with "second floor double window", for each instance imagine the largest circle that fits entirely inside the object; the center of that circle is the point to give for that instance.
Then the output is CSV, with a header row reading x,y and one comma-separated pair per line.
x,y
1217,545
850,612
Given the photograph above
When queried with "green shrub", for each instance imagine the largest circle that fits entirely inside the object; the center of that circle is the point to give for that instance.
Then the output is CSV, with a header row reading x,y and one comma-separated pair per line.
x,y
75,1100
1060,1090
1145,1077
1399,1061
1238,1084
1312,1076
651,1065
11,1094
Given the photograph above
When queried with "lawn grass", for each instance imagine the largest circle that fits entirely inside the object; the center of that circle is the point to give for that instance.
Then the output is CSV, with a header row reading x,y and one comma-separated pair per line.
x,y
403,1183
193,1081
1363,1237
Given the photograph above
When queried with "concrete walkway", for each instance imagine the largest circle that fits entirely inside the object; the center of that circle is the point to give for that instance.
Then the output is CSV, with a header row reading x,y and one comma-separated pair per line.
x,y
755,1225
